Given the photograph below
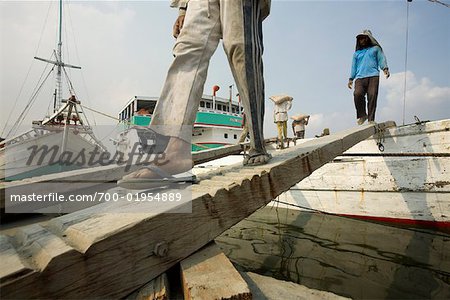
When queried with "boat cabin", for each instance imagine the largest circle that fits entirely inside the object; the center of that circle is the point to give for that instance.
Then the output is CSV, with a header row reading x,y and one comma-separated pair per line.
x,y
139,109
219,105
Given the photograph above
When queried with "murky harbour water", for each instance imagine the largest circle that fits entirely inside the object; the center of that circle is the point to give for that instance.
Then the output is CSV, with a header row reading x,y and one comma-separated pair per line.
x,y
352,258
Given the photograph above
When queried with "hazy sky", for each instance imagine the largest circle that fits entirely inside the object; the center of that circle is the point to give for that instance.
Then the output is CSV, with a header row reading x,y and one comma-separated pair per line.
x,y
125,48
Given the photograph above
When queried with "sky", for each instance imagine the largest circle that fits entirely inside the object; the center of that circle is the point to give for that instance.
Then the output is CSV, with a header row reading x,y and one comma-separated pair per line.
x,y
125,49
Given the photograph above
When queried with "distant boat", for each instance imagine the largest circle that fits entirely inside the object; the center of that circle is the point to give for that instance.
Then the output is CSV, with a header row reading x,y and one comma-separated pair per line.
x,y
401,176
59,142
218,121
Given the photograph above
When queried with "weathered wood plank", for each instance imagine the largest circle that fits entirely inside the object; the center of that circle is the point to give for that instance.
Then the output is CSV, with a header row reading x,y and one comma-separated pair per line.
x,y
157,289
100,178
208,274
212,154
117,247
274,289
11,262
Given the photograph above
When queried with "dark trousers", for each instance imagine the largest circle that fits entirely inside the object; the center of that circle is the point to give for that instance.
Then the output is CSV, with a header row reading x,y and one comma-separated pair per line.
x,y
300,134
369,86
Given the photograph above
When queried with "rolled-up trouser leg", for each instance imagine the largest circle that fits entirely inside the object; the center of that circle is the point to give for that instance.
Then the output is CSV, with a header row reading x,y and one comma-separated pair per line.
x,y
183,88
372,96
280,131
242,39
360,96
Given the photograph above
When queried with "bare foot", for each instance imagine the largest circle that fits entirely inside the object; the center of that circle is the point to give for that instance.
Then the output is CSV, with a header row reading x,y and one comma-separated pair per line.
x,y
255,158
177,160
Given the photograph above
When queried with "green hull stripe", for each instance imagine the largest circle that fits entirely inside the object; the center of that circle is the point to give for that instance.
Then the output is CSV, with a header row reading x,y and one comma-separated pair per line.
x,y
202,117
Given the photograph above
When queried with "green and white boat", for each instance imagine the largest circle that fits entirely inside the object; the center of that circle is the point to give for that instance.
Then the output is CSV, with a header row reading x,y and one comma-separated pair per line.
x,y
218,122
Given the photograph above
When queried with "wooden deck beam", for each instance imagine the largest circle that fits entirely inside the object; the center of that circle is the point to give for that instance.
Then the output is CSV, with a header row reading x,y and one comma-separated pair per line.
x,y
209,274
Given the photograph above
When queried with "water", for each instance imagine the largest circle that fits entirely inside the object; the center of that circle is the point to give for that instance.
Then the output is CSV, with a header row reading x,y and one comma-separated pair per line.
x,y
351,258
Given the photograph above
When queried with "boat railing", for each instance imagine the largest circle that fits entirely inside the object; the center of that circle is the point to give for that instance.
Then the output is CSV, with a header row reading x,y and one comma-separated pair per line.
x,y
216,111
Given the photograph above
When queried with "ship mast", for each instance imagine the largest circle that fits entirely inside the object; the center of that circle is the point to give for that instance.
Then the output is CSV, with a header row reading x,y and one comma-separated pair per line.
x,y
58,63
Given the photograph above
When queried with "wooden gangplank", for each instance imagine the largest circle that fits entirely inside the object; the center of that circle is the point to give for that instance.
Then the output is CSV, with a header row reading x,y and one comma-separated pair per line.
x,y
84,180
102,252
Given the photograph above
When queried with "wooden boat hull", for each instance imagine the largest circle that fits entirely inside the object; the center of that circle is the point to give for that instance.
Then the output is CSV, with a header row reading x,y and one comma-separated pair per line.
x,y
407,183
17,161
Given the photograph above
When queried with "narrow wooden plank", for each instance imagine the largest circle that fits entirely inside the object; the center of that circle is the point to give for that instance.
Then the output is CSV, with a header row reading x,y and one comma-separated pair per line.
x,y
122,246
212,154
209,274
99,177
157,289
11,262
273,289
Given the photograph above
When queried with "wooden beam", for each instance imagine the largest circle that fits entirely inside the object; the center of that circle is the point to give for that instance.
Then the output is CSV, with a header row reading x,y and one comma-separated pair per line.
x,y
272,289
112,249
101,177
209,274
157,289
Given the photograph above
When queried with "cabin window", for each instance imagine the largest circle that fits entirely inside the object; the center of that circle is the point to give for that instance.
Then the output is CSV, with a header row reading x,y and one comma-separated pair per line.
x,y
235,136
233,110
202,103
208,104
225,135
219,106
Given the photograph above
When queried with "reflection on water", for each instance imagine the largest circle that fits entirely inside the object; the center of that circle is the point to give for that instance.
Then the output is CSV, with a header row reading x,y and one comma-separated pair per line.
x,y
348,257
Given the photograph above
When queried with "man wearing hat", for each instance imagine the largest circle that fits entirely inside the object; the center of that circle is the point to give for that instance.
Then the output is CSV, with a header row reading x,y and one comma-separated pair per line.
x,y
368,59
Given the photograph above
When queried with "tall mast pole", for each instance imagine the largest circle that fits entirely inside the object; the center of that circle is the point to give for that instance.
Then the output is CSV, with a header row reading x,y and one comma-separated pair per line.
x,y
59,61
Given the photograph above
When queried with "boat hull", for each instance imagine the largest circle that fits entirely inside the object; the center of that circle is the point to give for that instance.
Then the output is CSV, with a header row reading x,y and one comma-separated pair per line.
x,y
17,160
407,183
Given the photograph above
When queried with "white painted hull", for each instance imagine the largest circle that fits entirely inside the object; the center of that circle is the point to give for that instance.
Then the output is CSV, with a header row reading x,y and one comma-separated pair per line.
x,y
216,135
14,159
409,182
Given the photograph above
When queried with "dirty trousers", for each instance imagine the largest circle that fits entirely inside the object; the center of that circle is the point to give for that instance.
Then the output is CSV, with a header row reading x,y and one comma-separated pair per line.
x,y
363,86
282,130
239,24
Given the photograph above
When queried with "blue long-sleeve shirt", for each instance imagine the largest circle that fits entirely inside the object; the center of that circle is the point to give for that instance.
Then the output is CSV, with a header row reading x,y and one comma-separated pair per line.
x,y
368,62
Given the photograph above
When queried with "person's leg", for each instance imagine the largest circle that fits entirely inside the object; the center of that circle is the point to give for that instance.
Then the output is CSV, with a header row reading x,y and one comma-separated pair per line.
x,y
197,42
243,134
360,97
372,96
242,39
280,131
302,134
183,88
285,129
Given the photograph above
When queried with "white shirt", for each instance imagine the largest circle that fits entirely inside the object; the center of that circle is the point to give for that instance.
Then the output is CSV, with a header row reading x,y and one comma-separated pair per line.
x,y
280,111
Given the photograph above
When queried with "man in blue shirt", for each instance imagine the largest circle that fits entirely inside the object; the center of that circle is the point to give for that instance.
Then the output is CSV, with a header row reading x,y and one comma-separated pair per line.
x,y
368,59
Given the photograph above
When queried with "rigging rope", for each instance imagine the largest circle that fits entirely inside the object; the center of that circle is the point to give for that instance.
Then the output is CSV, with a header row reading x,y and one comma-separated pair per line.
x,y
28,73
96,111
77,55
28,106
439,2
15,102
